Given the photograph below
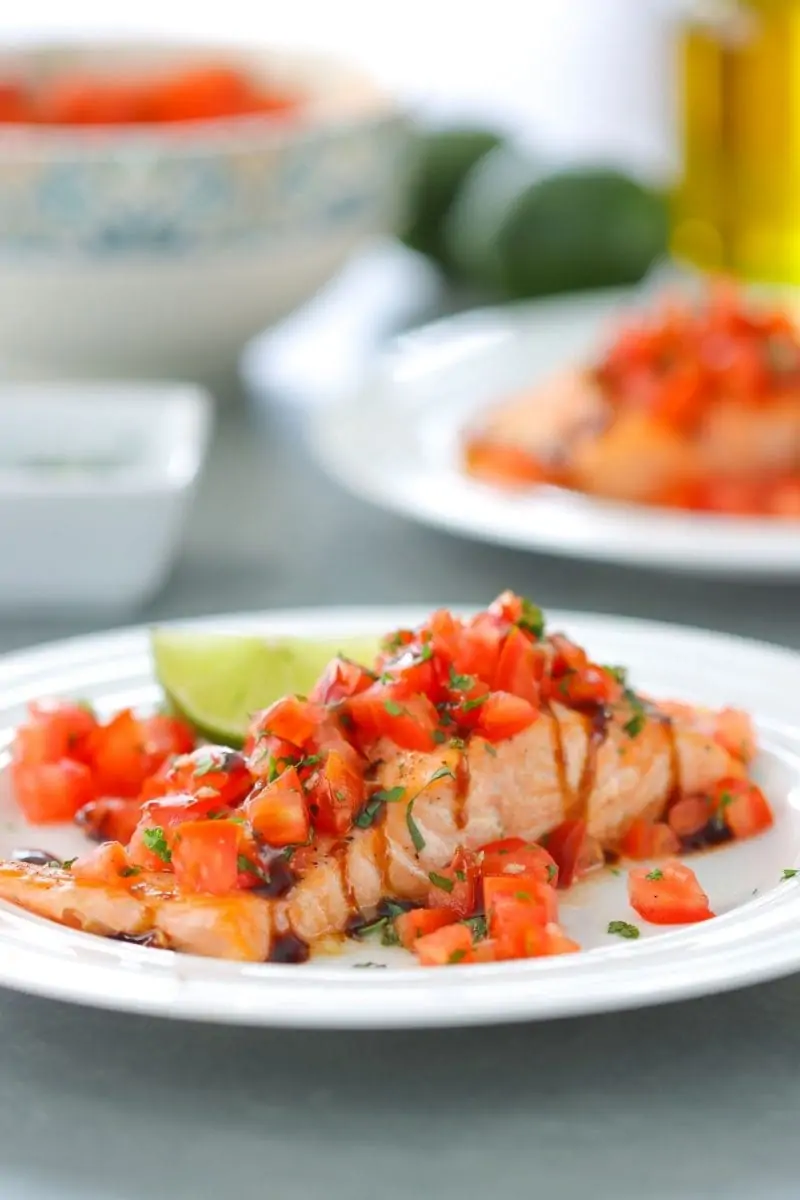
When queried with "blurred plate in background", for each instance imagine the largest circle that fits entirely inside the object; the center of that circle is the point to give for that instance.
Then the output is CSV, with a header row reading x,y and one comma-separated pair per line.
x,y
395,442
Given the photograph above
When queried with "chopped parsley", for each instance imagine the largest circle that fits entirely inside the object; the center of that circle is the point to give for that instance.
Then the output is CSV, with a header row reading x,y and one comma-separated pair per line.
x,y
127,872
790,872
439,736
461,683
552,871
384,926
374,805
443,772
618,673
475,702
393,708
311,760
461,876
457,956
67,863
477,926
532,619
368,964
441,881
426,652
490,749
414,830
248,867
655,874
636,722
155,841
623,929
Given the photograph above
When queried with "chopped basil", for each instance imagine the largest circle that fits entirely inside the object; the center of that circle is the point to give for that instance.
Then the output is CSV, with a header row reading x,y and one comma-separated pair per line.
x,y
468,705
552,871
532,619
490,749
67,863
375,805
623,929
443,772
441,881
439,736
414,830
127,872
457,956
524,896
368,964
248,867
461,876
655,874
426,652
311,760
155,840
790,872
615,871
618,673
393,708
725,799
382,925
478,927
636,722
461,683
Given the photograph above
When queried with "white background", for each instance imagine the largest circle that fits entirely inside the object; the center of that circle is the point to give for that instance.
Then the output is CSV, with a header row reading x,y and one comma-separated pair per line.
x,y
581,78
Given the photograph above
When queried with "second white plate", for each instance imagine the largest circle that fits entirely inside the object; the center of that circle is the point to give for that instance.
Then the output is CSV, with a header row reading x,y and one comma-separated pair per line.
x,y
396,442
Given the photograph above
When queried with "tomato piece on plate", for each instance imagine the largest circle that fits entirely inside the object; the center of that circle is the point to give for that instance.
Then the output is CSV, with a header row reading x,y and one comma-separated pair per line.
x,y
291,719
520,668
110,819
687,818
205,856
514,856
49,793
107,863
278,811
540,897
335,793
445,947
502,716
517,928
385,710
558,942
573,851
668,894
165,736
455,887
651,839
743,807
340,680
419,922
119,756
54,730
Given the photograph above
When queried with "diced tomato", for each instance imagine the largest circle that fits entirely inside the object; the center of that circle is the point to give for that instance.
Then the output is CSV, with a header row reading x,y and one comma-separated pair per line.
x,y
419,922
479,649
385,710
589,686
414,671
120,757
107,863
291,719
340,679
502,716
558,942
336,793
205,854
270,756
252,861
455,887
208,769
735,732
141,854
573,851
517,928
485,951
513,856
520,668
55,730
566,656
109,819
668,894
445,947
541,897
278,811
51,792
686,819
743,807
445,635
649,839
507,608
166,735
170,811
467,700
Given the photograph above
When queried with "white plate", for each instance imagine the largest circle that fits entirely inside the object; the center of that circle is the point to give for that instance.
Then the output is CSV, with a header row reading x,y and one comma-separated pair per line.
x,y
396,444
754,938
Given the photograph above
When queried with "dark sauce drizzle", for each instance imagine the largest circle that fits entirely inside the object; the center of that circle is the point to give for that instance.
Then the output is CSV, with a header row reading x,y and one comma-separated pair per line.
x,y
289,948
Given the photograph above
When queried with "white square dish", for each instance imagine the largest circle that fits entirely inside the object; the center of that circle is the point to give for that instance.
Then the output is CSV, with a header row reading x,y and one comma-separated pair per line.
x,y
95,482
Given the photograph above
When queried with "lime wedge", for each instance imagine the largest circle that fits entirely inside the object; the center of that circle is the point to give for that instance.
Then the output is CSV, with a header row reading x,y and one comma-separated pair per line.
x,y
216,681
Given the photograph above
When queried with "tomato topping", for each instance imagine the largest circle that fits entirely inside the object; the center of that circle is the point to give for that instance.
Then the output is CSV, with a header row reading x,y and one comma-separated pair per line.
x,y
336,793
516,927
150,847
278,811
270,756
107,863
419,922
169,811
445,633
55,730
205,856
445,947
51,792
573,851
566,656
340,679
125,752
520,668
686,819
291,719
207,769
514,856
502,716
743,807
648,839
109,819
385,710
478,650
455,887
668,894
540,897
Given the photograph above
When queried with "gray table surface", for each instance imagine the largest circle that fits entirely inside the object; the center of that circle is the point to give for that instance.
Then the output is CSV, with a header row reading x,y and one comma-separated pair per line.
x,y
691,1100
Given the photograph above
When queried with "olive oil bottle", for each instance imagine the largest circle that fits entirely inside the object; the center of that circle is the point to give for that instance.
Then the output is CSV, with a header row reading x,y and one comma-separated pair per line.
x,y
737,205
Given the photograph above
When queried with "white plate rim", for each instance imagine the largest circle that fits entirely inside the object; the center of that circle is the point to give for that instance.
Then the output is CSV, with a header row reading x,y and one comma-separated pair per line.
x,y
347,438
749,945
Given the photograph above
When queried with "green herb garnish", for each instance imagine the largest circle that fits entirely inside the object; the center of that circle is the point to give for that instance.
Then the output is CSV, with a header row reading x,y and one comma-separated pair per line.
x,y
416,837
393,708
478,927
375,805
789,873
461,683
490,749
441,881
439,736
475,702
457,956
204,766
369,964
443,772
155,840
655,874
127,872
532,619
67,863
623,929
552,871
